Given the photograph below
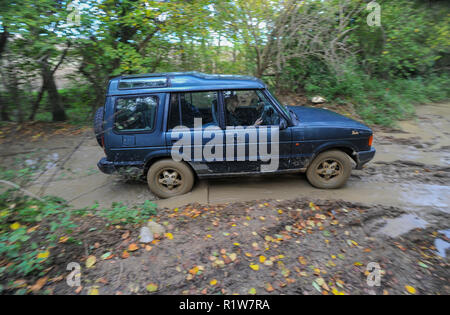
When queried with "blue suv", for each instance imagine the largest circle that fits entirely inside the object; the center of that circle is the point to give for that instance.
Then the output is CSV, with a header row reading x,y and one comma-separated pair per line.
x,y
171,128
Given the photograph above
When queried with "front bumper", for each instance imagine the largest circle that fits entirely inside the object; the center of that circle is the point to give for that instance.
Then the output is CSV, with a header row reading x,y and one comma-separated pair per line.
x,y
109,167
363,157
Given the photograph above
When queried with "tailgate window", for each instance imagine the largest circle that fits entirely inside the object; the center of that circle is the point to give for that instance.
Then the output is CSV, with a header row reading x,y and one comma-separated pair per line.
x,y
135,113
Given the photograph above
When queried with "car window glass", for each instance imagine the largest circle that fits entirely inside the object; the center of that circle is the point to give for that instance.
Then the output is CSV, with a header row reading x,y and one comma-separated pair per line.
x,y
135,113
249,108
193,105
174,113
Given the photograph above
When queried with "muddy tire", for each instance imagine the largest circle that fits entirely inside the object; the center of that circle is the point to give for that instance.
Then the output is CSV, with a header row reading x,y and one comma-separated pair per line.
x,y
98,125
329,170
167,178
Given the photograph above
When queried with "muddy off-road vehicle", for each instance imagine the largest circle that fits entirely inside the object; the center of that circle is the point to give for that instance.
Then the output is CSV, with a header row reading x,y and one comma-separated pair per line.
x,y
174,127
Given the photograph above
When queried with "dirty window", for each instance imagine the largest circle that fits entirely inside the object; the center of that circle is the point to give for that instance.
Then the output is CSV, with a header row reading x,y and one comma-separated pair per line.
x,y
249,108
174,113
201,105
135,113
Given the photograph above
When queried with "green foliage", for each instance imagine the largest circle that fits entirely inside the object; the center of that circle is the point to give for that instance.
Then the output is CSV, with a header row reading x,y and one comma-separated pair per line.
x,y
29,228
312,47
379,101
120,213
385,102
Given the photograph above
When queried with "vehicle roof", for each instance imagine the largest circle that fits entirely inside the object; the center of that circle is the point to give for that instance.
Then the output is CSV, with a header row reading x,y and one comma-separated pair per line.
x,y
185,82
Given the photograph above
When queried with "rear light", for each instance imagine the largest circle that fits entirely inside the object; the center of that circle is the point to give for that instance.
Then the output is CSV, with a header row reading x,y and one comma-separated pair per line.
x,y
370,140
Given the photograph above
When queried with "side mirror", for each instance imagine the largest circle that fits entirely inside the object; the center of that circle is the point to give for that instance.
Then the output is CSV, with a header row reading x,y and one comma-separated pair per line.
x,y
283,123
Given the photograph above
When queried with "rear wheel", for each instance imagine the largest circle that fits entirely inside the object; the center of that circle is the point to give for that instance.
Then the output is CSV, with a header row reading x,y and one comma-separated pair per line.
x,y
329,170
167,178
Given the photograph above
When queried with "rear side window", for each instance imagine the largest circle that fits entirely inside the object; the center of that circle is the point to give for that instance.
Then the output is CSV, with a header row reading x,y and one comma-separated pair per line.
x,y
135,113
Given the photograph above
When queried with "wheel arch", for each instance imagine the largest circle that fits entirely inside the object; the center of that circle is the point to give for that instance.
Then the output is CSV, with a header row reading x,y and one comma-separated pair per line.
x,y
347,148
153,159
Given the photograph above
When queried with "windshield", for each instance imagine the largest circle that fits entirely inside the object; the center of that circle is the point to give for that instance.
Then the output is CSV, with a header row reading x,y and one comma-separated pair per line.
x,y
283,107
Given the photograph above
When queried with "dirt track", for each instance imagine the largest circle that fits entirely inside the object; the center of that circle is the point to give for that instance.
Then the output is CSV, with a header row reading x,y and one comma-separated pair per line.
x,y
404,188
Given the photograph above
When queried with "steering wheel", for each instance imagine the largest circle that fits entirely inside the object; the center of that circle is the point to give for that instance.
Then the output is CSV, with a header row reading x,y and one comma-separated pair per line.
x,y
267,111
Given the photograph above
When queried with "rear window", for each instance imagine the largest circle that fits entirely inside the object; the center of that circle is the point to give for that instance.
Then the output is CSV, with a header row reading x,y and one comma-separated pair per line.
x,y
135,113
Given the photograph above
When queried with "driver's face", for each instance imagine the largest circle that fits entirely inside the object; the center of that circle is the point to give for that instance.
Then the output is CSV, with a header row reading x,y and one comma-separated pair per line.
x,y
232,104
245,98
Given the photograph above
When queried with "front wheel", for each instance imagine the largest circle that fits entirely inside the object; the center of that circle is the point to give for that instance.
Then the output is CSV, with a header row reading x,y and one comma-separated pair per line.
x,y
167,178
329,170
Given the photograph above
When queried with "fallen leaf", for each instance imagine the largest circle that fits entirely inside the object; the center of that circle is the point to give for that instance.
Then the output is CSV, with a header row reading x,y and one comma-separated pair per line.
x,y
320,281
254,266
169,236
262,259
194,270
63,239
421,264
269,287
302,260
125,254
39,284
152,287
213,282
93,291
15,226
106,256
90,261
252,291
43,255
410,289
316,286
133,247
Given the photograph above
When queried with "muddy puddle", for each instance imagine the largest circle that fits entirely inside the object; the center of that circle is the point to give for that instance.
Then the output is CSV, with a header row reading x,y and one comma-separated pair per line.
x,y
411,170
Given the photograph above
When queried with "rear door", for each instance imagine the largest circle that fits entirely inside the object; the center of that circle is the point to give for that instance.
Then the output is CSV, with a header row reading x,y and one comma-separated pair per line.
x,y
133,125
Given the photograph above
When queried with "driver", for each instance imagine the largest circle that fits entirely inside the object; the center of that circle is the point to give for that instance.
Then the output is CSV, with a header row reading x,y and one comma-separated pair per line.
x,y
233,118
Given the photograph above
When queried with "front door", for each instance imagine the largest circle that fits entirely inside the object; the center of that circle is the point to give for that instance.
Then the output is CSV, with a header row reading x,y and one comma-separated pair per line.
x,y
253,140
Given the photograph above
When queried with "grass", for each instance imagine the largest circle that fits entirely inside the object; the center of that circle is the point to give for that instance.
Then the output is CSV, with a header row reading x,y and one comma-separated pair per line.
x,y
381,102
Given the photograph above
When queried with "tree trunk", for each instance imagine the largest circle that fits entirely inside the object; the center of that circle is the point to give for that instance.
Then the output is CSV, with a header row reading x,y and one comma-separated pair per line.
x,y
4,116
54,98
37,102
3,40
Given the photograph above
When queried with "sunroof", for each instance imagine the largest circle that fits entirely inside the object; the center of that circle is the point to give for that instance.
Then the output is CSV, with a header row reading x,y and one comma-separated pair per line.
x,y
143,83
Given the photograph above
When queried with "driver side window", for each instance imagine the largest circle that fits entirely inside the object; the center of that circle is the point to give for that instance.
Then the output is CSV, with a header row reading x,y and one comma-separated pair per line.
x,y
249,108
